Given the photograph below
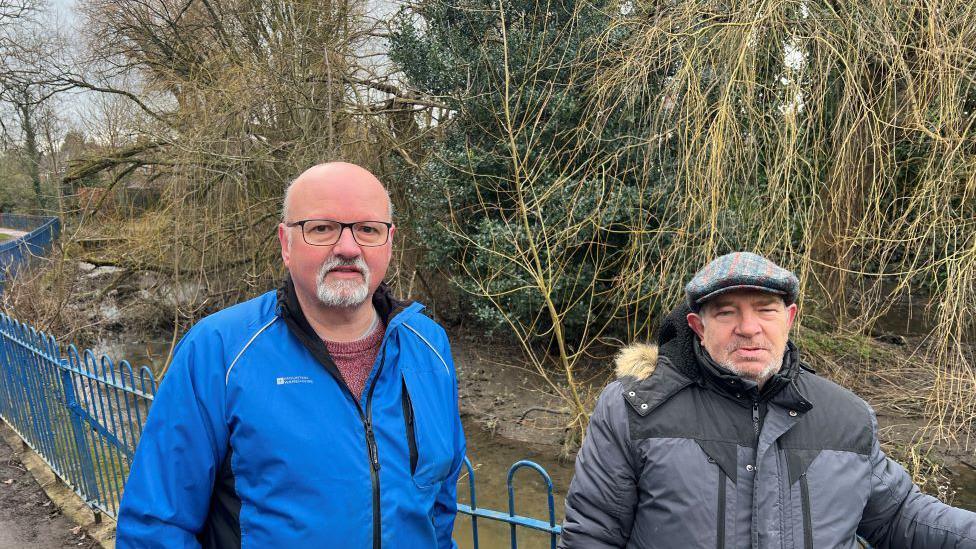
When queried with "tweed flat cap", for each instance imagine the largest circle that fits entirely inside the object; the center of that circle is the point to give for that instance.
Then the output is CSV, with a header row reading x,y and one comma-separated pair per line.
x,y
741,271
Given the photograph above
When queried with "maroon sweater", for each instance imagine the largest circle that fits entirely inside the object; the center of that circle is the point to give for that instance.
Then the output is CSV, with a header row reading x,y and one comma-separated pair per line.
x,y
355,358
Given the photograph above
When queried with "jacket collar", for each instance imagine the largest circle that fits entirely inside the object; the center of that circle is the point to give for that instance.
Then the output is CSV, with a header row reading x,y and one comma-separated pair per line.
x,y
291,312
723,380
664,374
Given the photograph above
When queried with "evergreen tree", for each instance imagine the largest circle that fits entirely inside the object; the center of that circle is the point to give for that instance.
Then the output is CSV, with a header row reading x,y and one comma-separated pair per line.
x,y
542,204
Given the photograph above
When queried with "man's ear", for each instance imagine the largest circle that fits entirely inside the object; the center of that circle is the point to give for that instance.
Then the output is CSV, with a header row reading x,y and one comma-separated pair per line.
x,y
791,315
696,324
285,245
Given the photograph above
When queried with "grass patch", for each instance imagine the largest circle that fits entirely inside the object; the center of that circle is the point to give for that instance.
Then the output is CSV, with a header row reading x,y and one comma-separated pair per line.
x,y
851,347
5,236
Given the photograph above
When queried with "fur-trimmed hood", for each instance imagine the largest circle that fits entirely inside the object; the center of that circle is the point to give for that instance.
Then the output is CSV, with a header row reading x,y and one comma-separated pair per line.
x,y
637,361
674,341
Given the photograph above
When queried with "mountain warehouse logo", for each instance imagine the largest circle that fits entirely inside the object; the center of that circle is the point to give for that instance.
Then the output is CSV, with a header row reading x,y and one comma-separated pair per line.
x,y
291,380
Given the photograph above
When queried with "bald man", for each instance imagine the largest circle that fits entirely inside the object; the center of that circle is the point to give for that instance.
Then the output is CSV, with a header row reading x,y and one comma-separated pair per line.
x,y
323,414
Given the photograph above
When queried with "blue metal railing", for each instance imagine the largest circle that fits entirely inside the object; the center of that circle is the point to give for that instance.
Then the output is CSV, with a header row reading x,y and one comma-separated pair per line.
x,y
15,253
22,222
513,520
84,414
81,414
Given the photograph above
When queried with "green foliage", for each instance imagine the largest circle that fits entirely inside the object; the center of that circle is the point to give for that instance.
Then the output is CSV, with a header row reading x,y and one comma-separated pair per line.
x,y
854,348
16,191
515,170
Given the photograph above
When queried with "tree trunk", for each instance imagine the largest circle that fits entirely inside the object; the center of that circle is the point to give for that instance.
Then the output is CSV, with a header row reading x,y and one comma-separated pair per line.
x,y
30,147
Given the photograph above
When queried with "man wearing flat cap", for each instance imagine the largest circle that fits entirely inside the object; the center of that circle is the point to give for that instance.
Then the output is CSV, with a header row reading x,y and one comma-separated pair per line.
x,y
720,437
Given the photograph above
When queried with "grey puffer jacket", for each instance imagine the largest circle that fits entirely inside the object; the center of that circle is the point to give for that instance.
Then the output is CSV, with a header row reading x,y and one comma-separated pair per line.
x,y
693,456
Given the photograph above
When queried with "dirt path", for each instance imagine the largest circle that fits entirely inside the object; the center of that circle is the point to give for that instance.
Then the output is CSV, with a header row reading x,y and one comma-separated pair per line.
x,y
27,516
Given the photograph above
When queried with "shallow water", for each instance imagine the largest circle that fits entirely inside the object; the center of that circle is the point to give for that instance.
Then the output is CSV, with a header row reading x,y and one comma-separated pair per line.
x,y
964,484
151,353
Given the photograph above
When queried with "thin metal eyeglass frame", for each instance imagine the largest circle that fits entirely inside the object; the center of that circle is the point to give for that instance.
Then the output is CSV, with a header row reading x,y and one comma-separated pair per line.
x,y
342,227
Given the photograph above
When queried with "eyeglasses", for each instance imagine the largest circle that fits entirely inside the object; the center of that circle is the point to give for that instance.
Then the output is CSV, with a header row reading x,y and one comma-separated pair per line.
x,y
325,232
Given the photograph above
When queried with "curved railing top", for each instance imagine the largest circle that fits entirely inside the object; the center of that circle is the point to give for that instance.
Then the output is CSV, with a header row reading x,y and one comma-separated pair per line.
x,y
40,229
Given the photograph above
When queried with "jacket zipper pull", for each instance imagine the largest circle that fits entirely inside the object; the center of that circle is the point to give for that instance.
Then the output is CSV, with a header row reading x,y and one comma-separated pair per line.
x,y
755,417
374,456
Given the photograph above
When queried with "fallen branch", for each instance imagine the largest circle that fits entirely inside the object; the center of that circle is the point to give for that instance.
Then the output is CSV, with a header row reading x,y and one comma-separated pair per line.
x,y
557,411
92,166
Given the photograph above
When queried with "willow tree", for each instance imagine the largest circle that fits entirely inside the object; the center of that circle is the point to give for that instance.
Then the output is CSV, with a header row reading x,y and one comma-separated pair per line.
x,y
837,136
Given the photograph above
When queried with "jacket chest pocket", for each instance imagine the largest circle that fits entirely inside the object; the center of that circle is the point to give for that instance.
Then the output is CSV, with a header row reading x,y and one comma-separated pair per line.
x,y
828,490
429,426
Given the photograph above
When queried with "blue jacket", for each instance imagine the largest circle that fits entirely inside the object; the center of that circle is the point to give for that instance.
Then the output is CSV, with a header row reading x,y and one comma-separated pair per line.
x,y
254,440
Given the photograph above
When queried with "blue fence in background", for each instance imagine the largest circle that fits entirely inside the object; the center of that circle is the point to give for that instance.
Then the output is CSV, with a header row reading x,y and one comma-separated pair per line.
x,y
83,415
15,253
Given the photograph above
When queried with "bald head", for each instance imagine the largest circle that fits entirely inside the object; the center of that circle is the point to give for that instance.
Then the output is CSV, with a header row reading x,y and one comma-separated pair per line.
x,y
333,180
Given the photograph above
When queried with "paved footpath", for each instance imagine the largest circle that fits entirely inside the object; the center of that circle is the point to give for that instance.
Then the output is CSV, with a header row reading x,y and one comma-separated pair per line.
x,y
12,233
27,516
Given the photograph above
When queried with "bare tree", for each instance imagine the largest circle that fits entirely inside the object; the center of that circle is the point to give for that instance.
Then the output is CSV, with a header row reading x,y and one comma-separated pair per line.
x,y
26,49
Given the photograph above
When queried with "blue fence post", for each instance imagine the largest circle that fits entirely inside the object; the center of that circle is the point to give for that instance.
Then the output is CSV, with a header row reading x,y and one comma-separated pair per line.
x,y
472,495
553,529
81,442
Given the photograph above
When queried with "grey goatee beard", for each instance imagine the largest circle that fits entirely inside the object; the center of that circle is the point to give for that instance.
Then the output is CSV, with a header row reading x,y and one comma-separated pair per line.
x,y
342,293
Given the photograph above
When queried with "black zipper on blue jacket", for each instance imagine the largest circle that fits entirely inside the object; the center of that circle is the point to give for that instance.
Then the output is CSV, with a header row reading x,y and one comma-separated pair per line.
x,y
321,353
408,421
372,451
374,455
295,319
